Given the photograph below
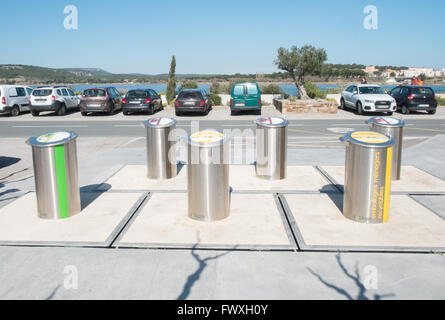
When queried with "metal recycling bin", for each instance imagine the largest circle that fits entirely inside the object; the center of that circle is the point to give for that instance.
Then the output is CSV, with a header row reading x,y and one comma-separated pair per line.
x,y
208,176
271,148
367,186
56,174
161,149
392,127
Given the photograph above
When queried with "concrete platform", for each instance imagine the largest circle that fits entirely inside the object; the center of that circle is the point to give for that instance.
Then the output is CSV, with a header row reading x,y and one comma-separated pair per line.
x,y
413,180
102,218
242,178
256,222
318,224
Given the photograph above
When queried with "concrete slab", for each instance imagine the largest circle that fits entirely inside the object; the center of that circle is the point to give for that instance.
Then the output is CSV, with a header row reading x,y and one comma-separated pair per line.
x,y
255,222
102,218
413,180
242,178
319,224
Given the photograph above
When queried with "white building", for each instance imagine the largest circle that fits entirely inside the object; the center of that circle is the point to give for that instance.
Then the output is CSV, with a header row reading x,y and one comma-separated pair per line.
x,y
415,72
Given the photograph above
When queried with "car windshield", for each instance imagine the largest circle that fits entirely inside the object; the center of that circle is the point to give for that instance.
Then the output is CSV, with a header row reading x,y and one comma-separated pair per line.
x,y
94,93
371,90
425,91
137,94
42,92
189,95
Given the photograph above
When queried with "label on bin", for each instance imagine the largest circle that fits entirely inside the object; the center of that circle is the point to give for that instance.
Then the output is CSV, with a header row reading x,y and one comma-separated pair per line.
x,y
53,137
369,137
160,121
386,120
271,120
207,136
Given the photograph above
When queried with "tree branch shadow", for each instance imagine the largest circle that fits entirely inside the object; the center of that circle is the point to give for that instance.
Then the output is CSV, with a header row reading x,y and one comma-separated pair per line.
x,y
202,264
354,277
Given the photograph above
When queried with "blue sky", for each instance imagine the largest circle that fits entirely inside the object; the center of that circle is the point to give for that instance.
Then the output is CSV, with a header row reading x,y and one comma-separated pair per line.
x,y
212,36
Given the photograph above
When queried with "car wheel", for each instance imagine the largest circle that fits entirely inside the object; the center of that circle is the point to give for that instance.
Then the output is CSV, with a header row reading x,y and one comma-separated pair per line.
x,y
233,112
342,104
15,111
111,111
389,113
177,113
432,111
359,108
152,110
405,109
83,113
126,113
62,110
35,113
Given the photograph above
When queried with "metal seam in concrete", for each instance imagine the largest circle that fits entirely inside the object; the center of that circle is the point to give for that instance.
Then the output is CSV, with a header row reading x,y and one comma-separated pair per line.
x,y
426,206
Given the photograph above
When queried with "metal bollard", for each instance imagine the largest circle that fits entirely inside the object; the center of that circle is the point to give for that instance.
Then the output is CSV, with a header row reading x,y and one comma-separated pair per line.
x,y
208,176
367,186
271,148
161,156
392,127
55,172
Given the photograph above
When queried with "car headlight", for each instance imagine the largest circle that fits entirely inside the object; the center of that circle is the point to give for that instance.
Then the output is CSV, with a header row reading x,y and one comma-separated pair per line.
x,y
369,101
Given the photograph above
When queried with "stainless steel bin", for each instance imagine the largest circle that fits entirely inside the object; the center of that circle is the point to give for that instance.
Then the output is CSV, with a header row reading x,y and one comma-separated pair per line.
x,y
208,176
392,127
367,185
161,150
55,172
271,148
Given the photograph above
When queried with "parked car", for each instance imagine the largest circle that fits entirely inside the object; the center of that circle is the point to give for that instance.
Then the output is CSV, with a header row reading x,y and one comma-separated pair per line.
x,y
14,99
245,96
141,100
55,98
192,100
367,98
106,100
415,98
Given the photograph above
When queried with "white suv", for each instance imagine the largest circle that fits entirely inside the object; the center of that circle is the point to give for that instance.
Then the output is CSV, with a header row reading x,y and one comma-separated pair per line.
x,y
367,98
58,99
14,99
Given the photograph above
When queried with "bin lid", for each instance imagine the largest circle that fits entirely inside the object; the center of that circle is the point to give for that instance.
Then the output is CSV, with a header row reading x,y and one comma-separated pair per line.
x,y
273,122
159,122
369,139
386,122
52,139
208,138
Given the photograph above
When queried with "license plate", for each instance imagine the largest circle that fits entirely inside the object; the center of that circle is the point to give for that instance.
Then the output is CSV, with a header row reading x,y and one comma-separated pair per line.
x,y
424,105
40,100
135,101
382,107
94,105
189,103
240,104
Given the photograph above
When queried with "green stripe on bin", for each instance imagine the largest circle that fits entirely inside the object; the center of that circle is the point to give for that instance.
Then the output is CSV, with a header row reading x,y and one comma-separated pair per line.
x,y
62,192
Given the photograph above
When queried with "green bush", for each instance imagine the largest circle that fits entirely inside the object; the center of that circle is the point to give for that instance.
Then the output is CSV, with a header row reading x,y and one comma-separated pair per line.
x,y
313,91
271,89
215,99
440,101
188,85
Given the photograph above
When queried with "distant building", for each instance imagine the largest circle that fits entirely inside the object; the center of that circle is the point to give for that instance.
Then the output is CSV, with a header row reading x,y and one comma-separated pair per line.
x,y
415,72
397,73
370,70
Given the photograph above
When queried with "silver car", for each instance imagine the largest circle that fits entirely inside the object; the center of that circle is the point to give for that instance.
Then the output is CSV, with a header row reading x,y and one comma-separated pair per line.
x,y
367,98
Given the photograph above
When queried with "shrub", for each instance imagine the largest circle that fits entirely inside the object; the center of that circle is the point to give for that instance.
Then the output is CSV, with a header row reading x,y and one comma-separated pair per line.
x,y
313,91
215,99
188,85
440,101
271,89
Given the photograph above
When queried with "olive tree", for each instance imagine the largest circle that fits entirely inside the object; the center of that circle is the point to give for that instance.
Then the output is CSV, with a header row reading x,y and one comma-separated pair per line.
x,y
301,62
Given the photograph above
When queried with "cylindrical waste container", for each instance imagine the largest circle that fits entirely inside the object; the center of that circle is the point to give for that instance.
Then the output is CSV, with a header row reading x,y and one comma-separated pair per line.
x,y
208,176
161,150
392,127
55,172
271,148
367,186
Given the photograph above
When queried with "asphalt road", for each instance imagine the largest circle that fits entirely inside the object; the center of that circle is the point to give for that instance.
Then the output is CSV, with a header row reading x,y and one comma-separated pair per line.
x,y
297,128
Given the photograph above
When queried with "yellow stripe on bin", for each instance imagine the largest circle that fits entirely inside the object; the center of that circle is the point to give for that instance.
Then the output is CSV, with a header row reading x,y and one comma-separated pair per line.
x,y
387,184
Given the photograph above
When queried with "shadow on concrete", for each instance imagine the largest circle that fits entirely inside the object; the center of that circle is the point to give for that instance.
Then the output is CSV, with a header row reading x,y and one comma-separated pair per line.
x,y
179,166
362,294
336,197
202,264
8,161
90,193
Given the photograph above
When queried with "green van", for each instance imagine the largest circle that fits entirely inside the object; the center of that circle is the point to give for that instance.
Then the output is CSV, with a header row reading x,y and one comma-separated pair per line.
x,y
245,96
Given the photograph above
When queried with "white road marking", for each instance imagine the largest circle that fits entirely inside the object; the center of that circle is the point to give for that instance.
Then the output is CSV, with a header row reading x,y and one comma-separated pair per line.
x,y
50,126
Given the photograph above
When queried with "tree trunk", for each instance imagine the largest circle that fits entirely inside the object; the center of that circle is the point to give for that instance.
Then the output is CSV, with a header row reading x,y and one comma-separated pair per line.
x,y
302,90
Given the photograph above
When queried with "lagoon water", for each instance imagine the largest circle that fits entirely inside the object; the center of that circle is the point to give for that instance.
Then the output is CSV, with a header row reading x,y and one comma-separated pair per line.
x,y
159,87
